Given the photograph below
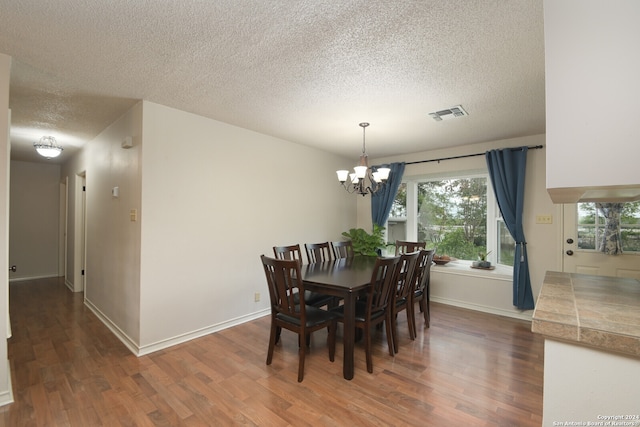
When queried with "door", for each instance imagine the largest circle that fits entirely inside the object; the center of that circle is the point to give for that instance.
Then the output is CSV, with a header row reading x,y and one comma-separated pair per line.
x,y
578,259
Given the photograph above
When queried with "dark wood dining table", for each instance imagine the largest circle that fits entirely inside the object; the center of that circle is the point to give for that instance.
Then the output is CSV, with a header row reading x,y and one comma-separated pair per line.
x,y
346,278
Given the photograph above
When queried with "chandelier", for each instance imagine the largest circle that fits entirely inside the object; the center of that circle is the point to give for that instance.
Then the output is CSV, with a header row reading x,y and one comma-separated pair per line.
x,y
48,147
363,180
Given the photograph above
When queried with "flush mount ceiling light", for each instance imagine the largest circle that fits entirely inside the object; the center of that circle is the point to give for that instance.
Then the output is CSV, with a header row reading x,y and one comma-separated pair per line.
x,y
449,113
48,147
363,181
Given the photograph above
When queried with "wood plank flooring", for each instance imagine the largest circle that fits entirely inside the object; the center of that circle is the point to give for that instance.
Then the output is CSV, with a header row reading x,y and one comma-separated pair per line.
x,y
468,369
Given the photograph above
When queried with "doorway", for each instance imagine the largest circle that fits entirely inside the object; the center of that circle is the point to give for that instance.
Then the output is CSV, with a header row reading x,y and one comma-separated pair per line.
x,y
79,235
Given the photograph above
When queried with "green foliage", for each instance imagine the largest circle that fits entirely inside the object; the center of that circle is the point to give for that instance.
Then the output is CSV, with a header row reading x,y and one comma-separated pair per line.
x,y
455,244
365,243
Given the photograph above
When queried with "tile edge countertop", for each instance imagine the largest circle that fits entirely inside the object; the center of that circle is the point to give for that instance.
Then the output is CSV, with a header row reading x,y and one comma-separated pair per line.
x,y
596,311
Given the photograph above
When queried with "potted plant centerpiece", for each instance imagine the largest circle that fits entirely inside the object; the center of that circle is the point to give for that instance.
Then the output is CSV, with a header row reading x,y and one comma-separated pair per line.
x,y
364,243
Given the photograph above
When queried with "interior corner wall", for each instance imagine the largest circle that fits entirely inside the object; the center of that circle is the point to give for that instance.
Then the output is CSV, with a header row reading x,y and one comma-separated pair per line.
x,y
112,281
34,220
543,240
214,198
6,393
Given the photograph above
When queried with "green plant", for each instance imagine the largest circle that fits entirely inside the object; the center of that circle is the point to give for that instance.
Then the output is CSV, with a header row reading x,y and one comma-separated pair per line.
x,y
365,243
482,256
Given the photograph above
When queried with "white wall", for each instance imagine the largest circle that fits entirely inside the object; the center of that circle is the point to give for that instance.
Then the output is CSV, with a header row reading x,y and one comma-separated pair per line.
x,y
112,288
6,394
214,198
210,198
488,291
34,220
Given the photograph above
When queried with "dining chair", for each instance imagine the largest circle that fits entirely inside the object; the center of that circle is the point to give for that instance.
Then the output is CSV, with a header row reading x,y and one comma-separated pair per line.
x,y
342,249
318,252
373,310
293,252
403,246
403,297
422,286
288,252
285,282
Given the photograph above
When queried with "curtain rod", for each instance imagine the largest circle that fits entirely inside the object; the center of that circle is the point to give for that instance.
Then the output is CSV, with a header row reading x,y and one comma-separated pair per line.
x,y
533,147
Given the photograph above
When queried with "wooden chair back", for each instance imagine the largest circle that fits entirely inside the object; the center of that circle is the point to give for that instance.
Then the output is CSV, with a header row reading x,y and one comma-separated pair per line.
x,y
421,285
318,252
406,275
403,246
283,279
288,252
382,286
423,270
342,249
403,296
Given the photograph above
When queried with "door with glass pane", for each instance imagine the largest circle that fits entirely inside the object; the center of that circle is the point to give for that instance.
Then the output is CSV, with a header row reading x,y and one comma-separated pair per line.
x,y
583,231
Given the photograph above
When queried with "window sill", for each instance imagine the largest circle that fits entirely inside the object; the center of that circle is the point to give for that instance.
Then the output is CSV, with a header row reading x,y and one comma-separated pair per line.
x,y
463,267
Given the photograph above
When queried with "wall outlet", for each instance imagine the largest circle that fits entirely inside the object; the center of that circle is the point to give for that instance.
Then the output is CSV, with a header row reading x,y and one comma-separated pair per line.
x,y
256,296
544,219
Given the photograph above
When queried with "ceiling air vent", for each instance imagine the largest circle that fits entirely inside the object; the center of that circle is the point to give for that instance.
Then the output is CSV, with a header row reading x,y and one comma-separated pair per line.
x,y
450,113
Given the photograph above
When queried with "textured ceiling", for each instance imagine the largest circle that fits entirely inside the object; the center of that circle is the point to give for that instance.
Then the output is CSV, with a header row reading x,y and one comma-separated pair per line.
x,y
304,71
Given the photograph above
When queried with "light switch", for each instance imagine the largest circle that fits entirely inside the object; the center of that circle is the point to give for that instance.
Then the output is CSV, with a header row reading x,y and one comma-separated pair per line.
x,y
544,219
133,215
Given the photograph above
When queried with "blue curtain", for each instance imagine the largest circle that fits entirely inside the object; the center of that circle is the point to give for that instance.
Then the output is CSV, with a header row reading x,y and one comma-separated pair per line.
x,y
382,201
507,172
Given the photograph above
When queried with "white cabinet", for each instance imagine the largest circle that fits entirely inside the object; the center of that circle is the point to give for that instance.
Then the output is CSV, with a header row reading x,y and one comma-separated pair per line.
x,y
592,55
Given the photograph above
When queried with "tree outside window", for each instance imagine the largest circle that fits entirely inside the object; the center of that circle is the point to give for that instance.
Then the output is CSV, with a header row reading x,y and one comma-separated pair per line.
x,y
591,225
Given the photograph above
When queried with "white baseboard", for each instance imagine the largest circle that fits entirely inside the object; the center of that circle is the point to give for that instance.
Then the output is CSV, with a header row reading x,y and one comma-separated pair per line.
x,y
138,350
128,342
515,313
150,348
6,397
24,279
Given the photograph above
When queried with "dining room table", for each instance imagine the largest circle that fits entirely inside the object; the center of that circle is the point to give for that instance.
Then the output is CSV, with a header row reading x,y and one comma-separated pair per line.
x,y
346,278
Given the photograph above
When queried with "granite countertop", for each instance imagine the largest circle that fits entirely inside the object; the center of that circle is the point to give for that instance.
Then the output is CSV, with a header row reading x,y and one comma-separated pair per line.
x,y
597,311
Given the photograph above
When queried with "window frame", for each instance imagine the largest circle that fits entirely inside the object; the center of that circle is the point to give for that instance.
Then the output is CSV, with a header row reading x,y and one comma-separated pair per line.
x,y
493,212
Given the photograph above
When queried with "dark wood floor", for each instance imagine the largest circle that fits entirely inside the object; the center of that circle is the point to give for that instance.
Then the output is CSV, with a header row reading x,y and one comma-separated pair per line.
x,y
468,369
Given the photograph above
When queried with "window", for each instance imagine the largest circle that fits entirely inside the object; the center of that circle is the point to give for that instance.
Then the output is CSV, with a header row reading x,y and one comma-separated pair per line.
x,y
591,225
456,215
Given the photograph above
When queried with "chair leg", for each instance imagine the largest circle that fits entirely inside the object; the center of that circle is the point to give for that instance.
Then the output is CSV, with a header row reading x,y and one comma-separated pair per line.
x,y
302,350
273,337
278,331
412,330
392,340
425,311
392,333
367,349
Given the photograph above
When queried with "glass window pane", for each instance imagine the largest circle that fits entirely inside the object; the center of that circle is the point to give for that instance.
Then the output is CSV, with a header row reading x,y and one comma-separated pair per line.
x,y
591,225
452,216
586,237
507,248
